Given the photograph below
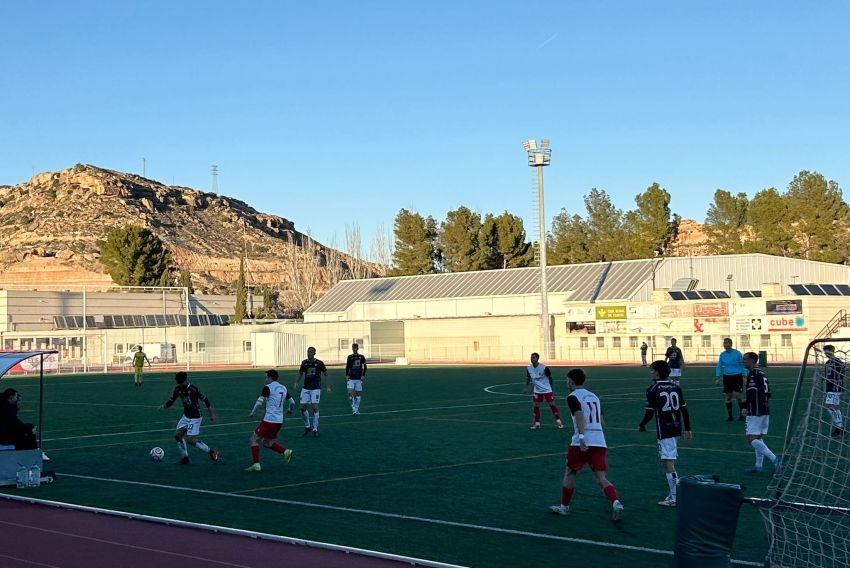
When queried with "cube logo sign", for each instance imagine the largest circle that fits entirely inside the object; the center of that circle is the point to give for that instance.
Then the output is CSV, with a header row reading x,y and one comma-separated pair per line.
x,y
786,323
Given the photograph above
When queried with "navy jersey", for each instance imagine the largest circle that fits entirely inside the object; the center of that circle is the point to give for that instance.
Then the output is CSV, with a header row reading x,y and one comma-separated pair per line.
x,y
191,397
312,371
355,366
666,400
758,393
834,373
674,357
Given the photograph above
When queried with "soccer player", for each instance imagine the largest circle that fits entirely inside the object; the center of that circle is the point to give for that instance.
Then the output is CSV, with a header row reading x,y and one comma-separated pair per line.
x,y
731,365
758,412
189,426
355,372
834,373
587,446
675,360
540,376
643,349
139,359
665,401
310,374
273,395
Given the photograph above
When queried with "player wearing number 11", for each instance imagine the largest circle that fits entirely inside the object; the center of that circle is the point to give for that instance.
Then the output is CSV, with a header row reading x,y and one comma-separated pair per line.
x,y
587,446
665,401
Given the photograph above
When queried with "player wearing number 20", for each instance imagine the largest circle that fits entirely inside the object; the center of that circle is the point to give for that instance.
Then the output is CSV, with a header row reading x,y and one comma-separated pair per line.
x,y
665,401
587,446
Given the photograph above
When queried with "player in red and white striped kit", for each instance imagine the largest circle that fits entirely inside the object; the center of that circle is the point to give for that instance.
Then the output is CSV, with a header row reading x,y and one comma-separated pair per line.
x,y
540,377
587,446
273,395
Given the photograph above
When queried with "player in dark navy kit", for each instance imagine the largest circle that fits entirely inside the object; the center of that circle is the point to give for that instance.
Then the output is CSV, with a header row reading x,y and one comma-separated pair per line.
x,y
310,375
355,373
666,402
189,426
833,374
758,412
676,360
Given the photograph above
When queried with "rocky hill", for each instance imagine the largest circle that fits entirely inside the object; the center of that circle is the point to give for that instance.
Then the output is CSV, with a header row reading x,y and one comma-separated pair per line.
x,y
54,225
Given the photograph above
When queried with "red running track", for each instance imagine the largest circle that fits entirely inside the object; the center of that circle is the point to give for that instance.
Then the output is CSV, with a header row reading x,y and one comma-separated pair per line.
x,y
41,536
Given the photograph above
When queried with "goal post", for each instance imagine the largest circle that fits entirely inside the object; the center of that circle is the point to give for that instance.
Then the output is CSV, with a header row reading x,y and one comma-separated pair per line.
x,y
806,508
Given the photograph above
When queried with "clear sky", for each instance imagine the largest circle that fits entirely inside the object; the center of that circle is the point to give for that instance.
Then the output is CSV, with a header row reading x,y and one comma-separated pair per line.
x,y
334,113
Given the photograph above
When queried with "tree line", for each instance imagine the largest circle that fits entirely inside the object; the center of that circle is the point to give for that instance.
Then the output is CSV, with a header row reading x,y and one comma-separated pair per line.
x,y
809,220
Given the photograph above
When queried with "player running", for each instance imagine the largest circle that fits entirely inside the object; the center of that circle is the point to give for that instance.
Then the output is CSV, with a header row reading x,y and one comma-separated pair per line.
x,y
310,375
355,373
834,373
758,412
675,359
189,426
540,376
273,395
587,446
139,359
666,402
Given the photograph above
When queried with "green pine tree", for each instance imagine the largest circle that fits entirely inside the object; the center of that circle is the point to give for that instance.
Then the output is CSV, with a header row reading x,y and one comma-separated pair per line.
x,y
241,308
134,256
415,249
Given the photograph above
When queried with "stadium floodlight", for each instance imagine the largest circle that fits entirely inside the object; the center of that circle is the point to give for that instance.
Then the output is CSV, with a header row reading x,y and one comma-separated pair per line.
x,y
538,157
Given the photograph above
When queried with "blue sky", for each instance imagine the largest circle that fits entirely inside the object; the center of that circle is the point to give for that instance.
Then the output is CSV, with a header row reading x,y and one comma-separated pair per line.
x,y
334,113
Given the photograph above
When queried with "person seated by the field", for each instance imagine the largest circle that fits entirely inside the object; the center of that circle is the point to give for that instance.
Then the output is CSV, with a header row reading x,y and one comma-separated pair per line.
x,y
13,431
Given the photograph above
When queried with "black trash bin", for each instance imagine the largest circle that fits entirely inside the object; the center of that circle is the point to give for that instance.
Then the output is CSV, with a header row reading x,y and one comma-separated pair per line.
x,y
762,359
706,521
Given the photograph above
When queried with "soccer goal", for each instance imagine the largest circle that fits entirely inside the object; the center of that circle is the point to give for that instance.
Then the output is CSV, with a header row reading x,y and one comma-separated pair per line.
x,y
806,509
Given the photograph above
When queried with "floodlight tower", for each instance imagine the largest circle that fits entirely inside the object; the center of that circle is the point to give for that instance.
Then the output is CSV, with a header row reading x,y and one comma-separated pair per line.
x,y
538,157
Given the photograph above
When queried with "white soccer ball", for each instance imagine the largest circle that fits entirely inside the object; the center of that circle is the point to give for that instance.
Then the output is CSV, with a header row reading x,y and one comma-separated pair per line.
x,y
157,454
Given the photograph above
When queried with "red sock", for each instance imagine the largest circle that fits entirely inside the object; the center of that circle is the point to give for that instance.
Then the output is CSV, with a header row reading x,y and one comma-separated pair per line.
x,y
255,453
611,492
537,414
566,495
277,448
555,411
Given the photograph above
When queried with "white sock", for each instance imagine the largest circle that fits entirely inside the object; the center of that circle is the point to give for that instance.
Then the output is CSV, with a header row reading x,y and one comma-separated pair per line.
x,y
181,447
672,478
316,420
356,404
351,403
837,418
202,446
306,415
761,448
759,459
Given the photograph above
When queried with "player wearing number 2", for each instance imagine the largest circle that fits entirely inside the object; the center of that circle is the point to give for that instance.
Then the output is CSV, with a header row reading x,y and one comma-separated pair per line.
x,y
587,446
665,401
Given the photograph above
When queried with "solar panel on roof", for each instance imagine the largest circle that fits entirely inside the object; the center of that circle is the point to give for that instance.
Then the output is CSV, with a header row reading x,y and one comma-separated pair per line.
x,y
160,320
745,294
844,289
137,321
677,295
171,319
815,290
59,322
193,321
721,295
830,290
706,294
204,319
756,293
108,321
225,320
691,295
798,289
150,320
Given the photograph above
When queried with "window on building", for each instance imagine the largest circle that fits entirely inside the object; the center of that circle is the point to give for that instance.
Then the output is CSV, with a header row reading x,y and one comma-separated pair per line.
x,y
600,342
765,340
187,347
358,341
786,340
744,340
246,346
633,341
582,342
202,346
706,341
344,345
688,341
617,342
119,348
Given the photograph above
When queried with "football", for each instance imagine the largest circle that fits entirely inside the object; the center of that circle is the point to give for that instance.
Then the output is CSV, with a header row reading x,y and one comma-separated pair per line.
x,y
157,453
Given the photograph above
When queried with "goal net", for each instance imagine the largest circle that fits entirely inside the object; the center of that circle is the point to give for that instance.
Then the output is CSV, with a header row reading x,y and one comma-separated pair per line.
x,y
807,506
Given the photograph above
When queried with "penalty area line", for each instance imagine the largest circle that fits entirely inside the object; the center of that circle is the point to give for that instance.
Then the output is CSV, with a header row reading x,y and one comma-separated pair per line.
x,y
441,522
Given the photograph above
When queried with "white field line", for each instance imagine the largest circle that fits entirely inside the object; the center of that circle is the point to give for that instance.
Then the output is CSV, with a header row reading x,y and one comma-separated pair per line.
x,y
499,530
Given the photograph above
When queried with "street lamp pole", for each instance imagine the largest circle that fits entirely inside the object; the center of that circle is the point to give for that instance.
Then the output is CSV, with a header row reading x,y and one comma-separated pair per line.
x,y
539,156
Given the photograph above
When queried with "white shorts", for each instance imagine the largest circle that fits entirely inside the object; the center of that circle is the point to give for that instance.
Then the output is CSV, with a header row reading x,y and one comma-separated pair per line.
x,y
192,425
310,396
757,425
355,385
833,398
675,372
667,449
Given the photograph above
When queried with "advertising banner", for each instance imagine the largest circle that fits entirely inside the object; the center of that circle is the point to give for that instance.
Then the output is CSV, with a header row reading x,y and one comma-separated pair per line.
x,y
677,311
711,309
581,327
783,307
786,323
716,326
746,325
643,311
611,326
638,327
611,312
579,313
